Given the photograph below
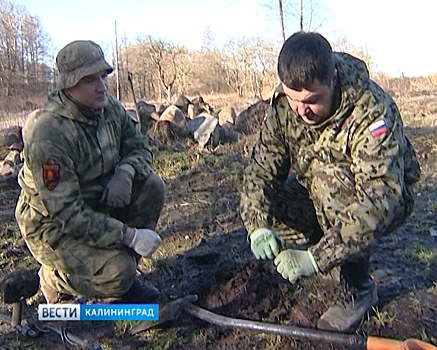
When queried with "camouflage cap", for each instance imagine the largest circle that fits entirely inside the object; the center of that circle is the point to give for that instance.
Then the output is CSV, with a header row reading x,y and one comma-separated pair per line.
x,y
77,60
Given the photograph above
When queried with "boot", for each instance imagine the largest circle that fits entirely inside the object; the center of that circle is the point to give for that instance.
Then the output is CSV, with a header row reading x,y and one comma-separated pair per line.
x,y
352,305
52,296
138,293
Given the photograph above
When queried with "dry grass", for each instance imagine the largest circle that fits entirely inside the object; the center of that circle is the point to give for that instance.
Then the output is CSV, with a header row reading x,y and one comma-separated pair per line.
x,y
419,116
11,119
416,98
419,110
219,101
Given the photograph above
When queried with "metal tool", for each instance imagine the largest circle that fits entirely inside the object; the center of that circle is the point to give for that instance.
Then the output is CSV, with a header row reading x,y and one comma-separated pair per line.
x,y
352,341
167,313
129,77
16,288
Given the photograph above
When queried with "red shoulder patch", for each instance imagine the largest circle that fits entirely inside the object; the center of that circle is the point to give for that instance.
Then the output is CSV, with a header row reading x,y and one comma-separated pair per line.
x,y
51,173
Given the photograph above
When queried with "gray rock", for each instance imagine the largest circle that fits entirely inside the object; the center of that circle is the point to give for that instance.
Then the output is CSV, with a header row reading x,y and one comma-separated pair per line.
x,y
206,129
249,121
227,115
175,116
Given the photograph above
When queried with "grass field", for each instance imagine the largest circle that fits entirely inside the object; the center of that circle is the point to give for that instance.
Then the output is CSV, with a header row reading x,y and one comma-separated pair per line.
x,y
204,251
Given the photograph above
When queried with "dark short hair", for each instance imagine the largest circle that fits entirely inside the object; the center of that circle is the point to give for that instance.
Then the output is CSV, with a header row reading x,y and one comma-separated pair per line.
x,y
304,57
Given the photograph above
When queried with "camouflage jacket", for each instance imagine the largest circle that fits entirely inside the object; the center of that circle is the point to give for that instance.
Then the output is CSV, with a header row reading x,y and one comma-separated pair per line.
x,y
70,154
381,166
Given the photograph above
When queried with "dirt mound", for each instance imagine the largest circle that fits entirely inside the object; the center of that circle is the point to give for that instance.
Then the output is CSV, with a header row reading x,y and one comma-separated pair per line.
x,y
252,292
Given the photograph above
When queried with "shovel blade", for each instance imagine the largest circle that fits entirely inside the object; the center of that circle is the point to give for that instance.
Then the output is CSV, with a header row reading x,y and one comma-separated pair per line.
x,y
167,313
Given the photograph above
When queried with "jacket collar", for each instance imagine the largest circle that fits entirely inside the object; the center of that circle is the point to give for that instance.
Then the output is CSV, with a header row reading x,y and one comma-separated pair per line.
x,y
61,103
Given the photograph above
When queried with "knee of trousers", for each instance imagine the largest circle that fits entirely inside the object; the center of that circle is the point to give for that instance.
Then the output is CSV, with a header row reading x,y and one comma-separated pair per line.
x,y
157,187
117,275
151,188
114,277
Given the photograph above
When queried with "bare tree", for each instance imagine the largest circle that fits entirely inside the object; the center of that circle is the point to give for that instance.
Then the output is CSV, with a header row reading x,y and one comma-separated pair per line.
x,y
117,63
249,64
23,52
298,15
344,45
139,64
166,61
9,29
207,76
207,40
233,65
281,19
310,14
432,79
263,64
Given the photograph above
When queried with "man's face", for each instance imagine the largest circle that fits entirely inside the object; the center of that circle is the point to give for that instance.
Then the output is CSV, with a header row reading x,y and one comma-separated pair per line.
x,y
92,90
314,103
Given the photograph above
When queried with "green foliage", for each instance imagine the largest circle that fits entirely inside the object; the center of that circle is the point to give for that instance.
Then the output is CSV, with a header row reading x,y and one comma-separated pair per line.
x,y
13,251
156,339
169,164
165,267
382,318
122,328
423,254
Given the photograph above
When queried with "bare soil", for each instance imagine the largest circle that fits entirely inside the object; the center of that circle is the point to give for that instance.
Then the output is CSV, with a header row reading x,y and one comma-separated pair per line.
x,y
205,252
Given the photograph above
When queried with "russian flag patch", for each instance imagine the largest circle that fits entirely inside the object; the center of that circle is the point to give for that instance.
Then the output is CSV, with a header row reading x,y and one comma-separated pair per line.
x,y
378,128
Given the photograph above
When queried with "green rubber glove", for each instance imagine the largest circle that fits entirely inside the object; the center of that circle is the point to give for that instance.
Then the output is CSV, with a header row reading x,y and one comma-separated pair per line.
x,y
292,264
264,243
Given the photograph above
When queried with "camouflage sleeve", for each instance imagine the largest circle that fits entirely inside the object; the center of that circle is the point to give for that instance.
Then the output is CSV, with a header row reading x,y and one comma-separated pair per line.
x,y
267,170
134,149
58,196
378,169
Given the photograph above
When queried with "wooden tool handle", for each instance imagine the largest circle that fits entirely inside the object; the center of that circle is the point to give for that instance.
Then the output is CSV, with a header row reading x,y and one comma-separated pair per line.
x,y
374,343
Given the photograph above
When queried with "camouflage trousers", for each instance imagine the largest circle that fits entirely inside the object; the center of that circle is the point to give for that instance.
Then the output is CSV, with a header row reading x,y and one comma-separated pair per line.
x,y
82,269
299,216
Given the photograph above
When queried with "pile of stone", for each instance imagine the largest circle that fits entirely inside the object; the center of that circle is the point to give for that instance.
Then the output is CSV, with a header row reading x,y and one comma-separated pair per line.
x,y
198,120
11,146
166,126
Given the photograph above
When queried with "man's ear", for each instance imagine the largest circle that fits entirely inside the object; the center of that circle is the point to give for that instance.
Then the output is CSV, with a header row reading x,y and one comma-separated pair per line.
x,y
334,78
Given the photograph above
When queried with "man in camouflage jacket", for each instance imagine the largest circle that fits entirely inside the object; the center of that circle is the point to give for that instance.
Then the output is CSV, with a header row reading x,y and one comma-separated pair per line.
x,y
90,200
330,171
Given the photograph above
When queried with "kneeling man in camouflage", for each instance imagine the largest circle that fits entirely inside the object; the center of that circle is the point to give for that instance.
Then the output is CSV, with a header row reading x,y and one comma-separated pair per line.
x,y
330,171
90,200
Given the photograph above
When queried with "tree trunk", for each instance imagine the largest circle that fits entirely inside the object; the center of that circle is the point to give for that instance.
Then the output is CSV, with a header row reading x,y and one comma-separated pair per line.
x,y
281,18
301,15
169,93
117,66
